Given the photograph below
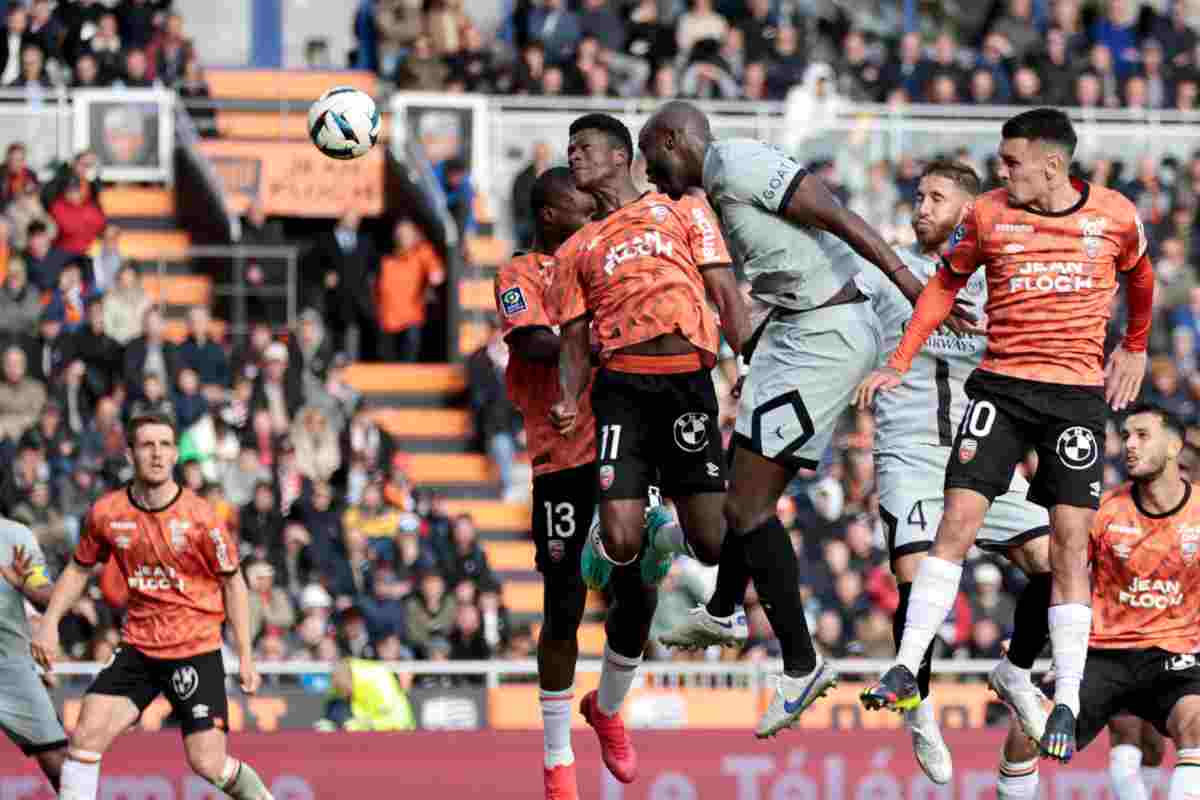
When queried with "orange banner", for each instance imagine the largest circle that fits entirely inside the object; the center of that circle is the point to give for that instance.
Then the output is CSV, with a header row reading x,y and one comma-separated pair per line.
x,y
295,180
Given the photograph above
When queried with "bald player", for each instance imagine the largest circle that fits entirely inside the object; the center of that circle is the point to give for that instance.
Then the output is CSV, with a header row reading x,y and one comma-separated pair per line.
x,y
815,337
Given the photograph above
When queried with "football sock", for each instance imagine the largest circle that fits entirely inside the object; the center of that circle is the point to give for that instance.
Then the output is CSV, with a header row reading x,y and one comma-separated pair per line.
x,y
241,782
80,776
732,575
1030,618
1017,781
925,673
616,678
772,563
1070,624
1185,778
1125,773
922,716
556,727
932,597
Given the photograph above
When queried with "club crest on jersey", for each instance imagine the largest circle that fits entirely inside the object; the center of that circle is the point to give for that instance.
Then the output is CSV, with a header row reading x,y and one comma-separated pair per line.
x,y
184,681
691,431
512,301
557,548
607,476
179,529
1077,448
1189,543
1093,234
967,450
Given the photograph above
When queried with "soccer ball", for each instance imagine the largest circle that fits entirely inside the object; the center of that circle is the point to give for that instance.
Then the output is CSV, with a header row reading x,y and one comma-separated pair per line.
x,y
344,123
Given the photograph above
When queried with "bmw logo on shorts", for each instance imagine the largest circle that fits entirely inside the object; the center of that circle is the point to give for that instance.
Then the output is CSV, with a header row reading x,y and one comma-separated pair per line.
x,y
691,431
1077,448
185,681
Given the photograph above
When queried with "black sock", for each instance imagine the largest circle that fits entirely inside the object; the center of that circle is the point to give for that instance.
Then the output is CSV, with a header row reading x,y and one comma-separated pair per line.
x,y
776,572
732,576
925,673
1031,627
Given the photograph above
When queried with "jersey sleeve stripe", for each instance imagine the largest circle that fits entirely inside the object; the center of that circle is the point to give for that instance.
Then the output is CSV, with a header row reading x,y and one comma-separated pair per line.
x,y
797,179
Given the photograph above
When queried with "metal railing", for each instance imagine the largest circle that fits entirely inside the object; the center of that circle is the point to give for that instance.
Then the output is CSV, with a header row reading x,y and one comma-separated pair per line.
x,y
755,674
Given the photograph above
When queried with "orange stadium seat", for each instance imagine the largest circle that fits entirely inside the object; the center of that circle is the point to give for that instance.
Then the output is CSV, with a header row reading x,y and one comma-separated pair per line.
x,y
509,556
406,378
178,290
425,423
142,245
137,201
476,294
271,84
492,515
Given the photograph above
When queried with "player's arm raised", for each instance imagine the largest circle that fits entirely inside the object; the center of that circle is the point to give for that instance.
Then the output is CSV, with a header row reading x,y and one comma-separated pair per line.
x,y
812,204
237,609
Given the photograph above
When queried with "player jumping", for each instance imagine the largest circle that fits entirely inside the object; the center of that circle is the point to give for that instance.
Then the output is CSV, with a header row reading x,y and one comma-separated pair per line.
x,y
27,714
1052,247
815,338
182,570
913,434
1144,547
564,469
641,277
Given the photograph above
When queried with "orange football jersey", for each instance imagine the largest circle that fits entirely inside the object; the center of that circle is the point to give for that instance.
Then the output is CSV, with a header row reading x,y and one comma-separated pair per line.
x,y
173,561
637,272
521,287
1051,280
1145,574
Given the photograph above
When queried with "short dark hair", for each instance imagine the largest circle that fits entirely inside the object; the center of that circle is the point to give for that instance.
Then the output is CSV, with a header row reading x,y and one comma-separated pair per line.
x,y
610,126
962,175
1169,420
149,417
553,181
36,227
1042,124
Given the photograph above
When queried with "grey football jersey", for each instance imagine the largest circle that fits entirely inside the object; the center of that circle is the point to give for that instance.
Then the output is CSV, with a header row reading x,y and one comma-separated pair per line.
x,y
793,266
926,407
14,626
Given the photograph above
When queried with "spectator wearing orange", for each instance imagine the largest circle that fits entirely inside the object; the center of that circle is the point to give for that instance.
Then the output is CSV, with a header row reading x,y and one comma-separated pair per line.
x,y
405,277
79,218
373,518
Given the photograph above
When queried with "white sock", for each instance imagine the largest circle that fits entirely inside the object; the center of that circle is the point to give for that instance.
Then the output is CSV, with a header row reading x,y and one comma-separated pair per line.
x,y
1185,778
1070,625
1125,773
556,727
616,679
241,782
80,776
933,593
922,716
1017,781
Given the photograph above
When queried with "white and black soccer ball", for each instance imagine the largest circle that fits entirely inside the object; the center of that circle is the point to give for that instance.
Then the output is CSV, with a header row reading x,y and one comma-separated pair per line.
x,y
344,123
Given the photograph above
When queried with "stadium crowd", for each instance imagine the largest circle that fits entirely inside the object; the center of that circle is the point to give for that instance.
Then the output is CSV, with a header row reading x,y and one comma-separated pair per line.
x,y
344,556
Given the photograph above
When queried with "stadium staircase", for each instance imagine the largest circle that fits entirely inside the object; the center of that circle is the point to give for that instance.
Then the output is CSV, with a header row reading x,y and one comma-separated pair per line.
x,y
421,406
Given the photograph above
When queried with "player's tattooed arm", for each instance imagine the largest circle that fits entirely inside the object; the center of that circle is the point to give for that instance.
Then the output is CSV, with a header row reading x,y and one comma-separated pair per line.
x,y
535,343
722,288
574,364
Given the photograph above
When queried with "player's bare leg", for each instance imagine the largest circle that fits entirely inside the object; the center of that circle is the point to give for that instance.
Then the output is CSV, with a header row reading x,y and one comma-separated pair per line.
x,y
935,586
1183,726
1070,620
1125,758
1018,778
564,597
1012,679
51,762
102,719
208,758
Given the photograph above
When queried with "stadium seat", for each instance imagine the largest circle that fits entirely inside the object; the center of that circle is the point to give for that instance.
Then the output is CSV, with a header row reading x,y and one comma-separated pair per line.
x,y
137,201
425,423
178,290
151,245
406,378
505,556
476,294
269,84
493,515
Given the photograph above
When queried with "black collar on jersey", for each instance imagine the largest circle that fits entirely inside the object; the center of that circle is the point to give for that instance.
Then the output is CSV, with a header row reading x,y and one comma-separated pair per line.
x,y
1084,188
1137,501
140,507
